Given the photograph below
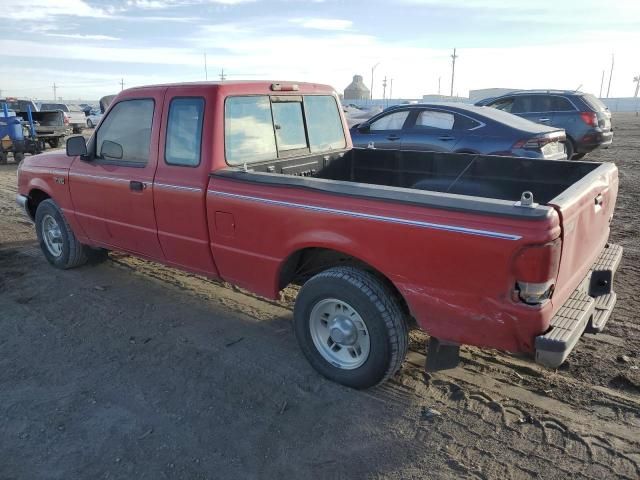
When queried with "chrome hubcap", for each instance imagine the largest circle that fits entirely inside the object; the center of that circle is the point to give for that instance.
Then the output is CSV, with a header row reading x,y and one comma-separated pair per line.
x,y
339,334
52,235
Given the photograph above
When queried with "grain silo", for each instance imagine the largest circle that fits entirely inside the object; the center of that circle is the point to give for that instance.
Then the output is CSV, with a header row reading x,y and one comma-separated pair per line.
x,y
356,90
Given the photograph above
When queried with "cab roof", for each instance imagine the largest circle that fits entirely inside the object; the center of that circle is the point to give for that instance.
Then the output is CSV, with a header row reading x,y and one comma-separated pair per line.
x,y
247,86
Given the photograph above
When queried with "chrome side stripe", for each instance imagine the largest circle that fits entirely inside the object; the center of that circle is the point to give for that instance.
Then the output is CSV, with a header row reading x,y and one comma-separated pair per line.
x,y
382,218
176,187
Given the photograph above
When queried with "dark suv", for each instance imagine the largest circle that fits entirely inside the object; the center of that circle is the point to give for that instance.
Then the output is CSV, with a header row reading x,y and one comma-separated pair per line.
x,y
585,119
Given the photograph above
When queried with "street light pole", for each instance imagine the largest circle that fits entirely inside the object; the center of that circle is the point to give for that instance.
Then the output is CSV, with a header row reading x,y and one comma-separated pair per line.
x,y
372,70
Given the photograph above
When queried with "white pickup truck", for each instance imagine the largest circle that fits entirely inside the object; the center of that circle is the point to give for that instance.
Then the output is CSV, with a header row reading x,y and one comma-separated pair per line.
x,y
77,118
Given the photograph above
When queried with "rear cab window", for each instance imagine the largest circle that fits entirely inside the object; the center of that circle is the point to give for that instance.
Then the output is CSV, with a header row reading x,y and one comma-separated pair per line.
x,y
266,127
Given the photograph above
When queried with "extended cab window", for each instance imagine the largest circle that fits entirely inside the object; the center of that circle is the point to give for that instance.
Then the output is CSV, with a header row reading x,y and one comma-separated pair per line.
x,y
184,132
259,128
124,135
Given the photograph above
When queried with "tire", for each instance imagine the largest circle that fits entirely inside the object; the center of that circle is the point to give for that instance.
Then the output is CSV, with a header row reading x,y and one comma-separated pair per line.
x,y
54,142
3,158
18,157
89,123
71,252
578,156
77,130
374,306
569,149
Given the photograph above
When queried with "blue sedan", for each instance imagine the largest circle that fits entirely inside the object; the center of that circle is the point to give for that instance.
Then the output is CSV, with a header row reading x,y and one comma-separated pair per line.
x,y
459,128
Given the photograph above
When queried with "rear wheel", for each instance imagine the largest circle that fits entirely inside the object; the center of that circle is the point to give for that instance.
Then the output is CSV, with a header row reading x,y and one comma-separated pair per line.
x,y
569,149
60,246
18,156
54,142
350,327
3,158
89,123
578,156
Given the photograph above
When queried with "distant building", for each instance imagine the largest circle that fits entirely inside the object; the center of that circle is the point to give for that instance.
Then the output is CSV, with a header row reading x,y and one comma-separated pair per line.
x,y
357,90
481,94
435,98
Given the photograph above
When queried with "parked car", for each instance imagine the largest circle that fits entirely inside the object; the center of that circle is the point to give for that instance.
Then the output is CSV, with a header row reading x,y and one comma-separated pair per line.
x,y
256,183
74,113
459,128
93,118
585,119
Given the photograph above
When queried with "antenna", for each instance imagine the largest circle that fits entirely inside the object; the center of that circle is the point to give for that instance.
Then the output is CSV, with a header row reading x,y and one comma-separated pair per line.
x,y
453,69
579,87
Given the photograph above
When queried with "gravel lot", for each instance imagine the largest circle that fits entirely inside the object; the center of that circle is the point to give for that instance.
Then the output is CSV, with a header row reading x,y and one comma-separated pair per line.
x,y
129,369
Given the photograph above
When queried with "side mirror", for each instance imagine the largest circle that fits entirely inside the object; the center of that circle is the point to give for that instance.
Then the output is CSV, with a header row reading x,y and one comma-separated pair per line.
x,y
111,150
363,128
76,146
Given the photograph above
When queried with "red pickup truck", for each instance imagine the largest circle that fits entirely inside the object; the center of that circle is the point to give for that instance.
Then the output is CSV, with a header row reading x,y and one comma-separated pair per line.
x,y
257,183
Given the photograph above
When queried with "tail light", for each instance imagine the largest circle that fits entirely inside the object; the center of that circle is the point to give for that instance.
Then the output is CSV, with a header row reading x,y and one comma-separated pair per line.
x,y
536,143
535,268
590,118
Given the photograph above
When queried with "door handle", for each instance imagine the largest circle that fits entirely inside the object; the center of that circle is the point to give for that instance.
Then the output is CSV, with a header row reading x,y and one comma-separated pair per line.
x,y
393,137
544,120
137,186
446,138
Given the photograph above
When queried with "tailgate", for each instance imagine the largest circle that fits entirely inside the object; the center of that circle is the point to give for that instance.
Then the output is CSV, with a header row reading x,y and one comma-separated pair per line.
x,y
585,210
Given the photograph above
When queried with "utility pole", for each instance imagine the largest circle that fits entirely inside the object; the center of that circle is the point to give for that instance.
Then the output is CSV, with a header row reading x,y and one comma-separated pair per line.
x,y
372,70
390,90
439,78
384,88
206,73
610,75
453,69
121,84
601,84
55,91
223,77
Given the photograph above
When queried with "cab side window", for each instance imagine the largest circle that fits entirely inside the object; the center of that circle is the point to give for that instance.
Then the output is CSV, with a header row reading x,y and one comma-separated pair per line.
x,y
124,135
430,120
184,132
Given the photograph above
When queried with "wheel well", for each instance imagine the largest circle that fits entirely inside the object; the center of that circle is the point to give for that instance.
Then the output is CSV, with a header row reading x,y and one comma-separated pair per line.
x,y
303,264
471,152
35,198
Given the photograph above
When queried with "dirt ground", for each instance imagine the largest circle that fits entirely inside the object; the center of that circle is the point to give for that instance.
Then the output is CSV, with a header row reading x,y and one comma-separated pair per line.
x,y
129,369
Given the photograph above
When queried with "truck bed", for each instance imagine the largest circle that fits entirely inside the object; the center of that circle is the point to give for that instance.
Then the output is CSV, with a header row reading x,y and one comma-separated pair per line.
x,y
479,183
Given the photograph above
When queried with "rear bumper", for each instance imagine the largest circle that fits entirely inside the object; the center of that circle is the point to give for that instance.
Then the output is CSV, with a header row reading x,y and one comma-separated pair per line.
x,y
587,309
594,140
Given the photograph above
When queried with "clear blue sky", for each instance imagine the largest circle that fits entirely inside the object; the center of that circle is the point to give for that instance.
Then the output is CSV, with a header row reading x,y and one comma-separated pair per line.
x,y
87,46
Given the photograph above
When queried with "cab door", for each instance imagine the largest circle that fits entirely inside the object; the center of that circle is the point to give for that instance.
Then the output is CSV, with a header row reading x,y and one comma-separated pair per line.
x,y
181,179
112,192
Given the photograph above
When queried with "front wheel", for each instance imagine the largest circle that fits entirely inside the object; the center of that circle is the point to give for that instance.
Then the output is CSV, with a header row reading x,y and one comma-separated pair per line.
x,y
60,246
350,327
